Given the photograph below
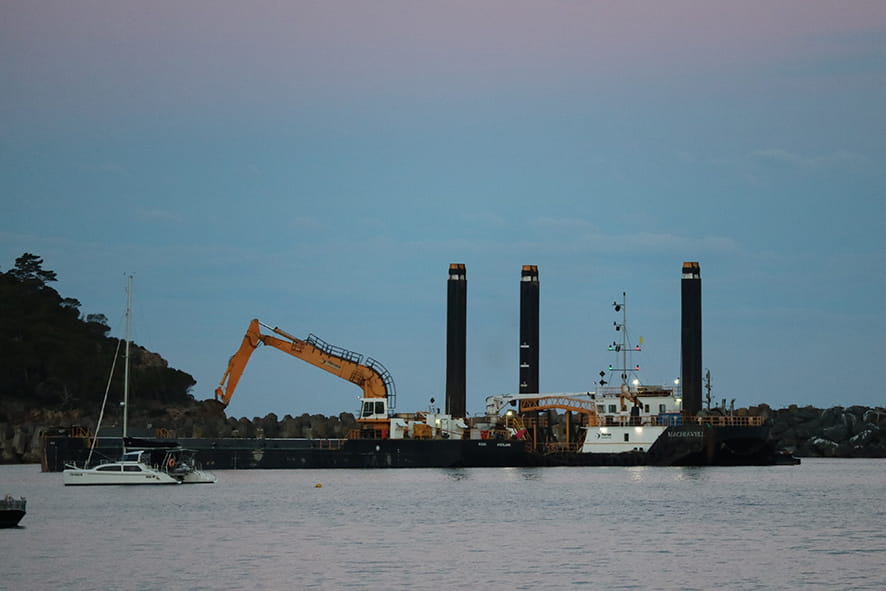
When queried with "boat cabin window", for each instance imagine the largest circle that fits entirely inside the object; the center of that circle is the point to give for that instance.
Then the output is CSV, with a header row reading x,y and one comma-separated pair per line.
x,y
601,408
613,408
132,469
108,469
627,437
646,408
662,408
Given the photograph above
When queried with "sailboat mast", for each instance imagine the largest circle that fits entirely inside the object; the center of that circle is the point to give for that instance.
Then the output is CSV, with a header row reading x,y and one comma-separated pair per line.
x,y
126,365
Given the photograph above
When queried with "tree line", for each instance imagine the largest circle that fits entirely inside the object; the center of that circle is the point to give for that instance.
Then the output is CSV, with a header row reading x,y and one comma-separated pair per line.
x,y
53,357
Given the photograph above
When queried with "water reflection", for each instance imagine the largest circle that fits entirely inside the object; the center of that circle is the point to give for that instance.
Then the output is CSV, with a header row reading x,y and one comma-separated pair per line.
x,y
510,473
690,473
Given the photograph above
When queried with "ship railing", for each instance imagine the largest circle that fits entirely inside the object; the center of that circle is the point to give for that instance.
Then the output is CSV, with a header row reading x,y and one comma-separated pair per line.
x,y
626,421
726,421
673,419
643,390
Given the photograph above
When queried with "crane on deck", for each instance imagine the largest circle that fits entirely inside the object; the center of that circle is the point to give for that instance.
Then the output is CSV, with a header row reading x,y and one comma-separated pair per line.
x,y
379,393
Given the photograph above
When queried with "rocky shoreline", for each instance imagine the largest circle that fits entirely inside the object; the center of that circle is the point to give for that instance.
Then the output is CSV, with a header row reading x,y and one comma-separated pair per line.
x,y
838,432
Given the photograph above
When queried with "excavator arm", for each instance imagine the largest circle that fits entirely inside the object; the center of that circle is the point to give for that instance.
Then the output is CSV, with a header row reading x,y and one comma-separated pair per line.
x,y
370,375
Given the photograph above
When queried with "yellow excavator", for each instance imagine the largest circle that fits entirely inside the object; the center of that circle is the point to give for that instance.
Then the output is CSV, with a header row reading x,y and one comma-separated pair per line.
x,y
376,382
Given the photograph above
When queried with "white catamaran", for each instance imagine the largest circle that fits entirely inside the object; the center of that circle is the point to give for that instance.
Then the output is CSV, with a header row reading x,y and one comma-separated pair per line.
x,y
163,465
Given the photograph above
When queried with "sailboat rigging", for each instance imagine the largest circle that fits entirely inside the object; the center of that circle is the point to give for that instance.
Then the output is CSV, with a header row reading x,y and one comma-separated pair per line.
x,y
165,465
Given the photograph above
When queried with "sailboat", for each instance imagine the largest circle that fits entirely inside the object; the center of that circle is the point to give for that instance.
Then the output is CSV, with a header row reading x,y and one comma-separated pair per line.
x,y
164,465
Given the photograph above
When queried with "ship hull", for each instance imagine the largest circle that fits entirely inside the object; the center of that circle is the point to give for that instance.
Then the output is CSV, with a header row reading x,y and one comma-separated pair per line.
x,y
684,445
244,454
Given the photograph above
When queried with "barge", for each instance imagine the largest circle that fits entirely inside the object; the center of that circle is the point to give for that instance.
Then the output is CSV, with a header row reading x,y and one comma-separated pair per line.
x,y
625,424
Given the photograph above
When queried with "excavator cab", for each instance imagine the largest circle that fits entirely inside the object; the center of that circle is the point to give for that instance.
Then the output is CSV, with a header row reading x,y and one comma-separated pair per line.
x,y
374,409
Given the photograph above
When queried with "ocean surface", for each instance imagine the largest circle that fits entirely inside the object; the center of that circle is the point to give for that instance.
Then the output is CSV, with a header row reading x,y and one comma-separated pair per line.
x,y
820,525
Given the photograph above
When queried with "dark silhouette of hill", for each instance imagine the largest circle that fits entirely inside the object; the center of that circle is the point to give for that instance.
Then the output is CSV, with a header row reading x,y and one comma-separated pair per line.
x,y
54,358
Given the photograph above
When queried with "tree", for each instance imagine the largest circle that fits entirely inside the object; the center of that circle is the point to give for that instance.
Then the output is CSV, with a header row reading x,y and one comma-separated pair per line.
x,y
29,267
70,303
51,357
97,318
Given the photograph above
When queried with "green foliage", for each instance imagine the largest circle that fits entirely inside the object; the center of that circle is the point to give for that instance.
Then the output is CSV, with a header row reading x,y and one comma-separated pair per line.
x,y
51,358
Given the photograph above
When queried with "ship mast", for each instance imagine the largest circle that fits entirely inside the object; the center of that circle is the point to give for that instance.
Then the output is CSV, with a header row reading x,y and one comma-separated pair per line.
x,y
624,348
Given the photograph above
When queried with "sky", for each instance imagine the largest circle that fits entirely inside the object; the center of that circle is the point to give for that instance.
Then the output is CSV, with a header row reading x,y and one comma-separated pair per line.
x,y
318,165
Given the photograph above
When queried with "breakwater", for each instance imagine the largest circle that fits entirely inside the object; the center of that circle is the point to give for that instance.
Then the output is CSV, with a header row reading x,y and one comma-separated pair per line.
x,y
837,432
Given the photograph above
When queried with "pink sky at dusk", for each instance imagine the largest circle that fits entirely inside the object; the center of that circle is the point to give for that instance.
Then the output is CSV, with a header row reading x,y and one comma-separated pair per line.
x,y
393,39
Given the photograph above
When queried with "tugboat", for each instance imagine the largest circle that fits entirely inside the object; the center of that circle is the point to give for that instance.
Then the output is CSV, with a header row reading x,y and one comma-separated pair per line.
x,y
12,510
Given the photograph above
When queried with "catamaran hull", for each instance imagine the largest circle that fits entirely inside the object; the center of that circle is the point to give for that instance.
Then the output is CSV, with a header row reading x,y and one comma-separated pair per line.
x,y
92,478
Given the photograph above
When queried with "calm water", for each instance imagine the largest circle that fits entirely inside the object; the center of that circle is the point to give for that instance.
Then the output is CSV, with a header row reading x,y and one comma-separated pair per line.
x,y
821,525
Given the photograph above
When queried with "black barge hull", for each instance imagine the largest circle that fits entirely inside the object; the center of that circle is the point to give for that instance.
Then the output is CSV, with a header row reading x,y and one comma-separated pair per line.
x,y
245,454
687,445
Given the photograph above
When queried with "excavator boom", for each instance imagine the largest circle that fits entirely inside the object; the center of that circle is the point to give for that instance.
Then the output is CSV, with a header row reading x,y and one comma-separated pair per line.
x,y
370,375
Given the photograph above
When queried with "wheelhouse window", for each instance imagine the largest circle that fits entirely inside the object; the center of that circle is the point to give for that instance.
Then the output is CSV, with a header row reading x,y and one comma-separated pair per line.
x,y
109,468
132,469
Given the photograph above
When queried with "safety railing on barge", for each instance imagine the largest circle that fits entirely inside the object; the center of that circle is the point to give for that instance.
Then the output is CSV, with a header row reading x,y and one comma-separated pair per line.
x,y
725,421
676,419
